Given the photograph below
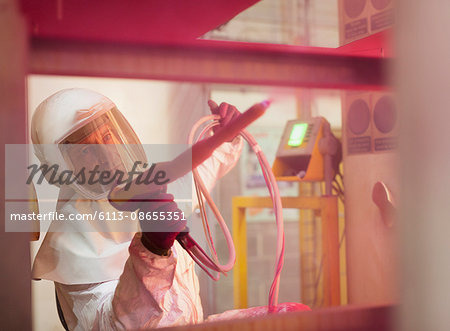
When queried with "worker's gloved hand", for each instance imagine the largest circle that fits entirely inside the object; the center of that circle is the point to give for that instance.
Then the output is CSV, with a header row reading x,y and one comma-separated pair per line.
x,y
226,112
170,223
160,218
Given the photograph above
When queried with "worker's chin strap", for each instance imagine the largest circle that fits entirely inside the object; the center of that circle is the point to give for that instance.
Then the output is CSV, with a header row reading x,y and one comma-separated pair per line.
x,y
199,255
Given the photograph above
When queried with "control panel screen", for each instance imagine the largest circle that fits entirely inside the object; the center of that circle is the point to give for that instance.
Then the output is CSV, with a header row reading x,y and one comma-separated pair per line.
x,y
297,134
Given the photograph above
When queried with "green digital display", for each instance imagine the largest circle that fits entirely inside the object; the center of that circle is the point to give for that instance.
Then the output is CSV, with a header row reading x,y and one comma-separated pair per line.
x,y
297,134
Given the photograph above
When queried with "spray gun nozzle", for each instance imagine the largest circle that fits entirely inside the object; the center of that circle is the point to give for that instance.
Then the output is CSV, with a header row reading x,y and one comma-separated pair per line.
x,y
266,103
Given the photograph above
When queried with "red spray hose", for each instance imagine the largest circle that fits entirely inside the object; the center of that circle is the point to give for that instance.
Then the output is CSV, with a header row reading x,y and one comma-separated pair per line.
x,y
276,199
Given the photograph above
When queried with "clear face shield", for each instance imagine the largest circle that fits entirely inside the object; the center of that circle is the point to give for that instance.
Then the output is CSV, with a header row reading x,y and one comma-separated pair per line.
x,y
101,153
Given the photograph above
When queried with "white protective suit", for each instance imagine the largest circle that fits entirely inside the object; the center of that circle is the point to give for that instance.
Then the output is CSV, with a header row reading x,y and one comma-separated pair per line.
x,y
109,280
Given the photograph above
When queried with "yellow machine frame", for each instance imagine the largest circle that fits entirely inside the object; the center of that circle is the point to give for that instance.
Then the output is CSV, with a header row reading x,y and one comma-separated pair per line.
x,y
328,208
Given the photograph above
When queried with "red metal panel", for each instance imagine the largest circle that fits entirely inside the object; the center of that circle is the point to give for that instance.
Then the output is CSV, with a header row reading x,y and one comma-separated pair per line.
x,y
14,247
378,45
349,318
211,61
140,21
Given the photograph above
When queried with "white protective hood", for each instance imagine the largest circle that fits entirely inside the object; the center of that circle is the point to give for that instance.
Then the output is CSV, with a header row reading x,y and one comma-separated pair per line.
x,y
83,254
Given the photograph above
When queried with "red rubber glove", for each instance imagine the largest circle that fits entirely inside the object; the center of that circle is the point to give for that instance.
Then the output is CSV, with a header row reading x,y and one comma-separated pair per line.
x,y
160,241
226,112
158,236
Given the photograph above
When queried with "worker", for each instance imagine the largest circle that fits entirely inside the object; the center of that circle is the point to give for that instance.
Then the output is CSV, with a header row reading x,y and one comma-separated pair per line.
x,y
105,279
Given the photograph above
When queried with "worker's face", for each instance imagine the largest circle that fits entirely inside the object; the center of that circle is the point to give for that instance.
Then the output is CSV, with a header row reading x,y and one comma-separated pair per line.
x,y
98,148
103,135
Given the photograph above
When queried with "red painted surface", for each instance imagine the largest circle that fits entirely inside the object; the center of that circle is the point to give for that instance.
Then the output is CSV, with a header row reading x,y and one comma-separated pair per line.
x,y
208,61
157,39
376,45
345,318
141,21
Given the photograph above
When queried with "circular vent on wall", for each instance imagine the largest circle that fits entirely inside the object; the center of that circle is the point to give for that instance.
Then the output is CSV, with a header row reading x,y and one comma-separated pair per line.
x,y
380,4
385,114
358,117
353,8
